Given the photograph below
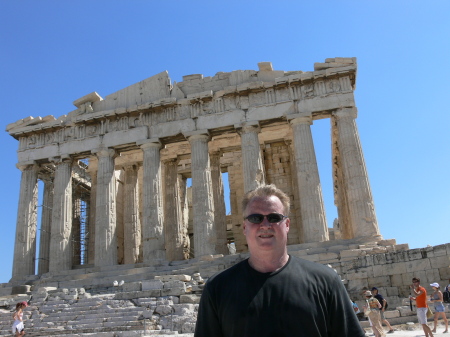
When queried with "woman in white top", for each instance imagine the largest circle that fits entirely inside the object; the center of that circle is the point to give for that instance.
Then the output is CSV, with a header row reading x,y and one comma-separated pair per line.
x,y
439,310
18,329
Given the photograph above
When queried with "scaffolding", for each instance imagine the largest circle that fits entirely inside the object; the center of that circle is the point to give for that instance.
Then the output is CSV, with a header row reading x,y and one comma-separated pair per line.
x,y
81,193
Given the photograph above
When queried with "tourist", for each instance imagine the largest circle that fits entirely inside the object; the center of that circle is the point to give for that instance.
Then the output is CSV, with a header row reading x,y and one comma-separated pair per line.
x,y
18,329
421,305
272,293
439,310
374,314
383,303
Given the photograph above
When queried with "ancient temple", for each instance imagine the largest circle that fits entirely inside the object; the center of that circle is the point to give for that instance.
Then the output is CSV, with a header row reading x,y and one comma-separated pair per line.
x,y
115,170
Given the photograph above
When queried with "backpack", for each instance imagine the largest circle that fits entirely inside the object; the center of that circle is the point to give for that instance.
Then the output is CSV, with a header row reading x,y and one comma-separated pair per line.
x,y
446,296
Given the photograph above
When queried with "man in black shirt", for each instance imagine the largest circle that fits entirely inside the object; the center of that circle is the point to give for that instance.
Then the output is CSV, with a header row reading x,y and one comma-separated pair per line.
x,y
272,293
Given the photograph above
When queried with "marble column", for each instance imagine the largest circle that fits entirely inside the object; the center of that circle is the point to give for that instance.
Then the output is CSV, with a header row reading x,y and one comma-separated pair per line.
x,y
46,221
92,171
25,242
202,196
105,209
220,213
153,217
357,188
132,223
61,227
252,160
173,217
312,209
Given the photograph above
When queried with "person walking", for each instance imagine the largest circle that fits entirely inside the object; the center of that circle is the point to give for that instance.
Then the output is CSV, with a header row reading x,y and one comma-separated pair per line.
x,y
439,310
18,329
383,303
273,293
421,305
374,314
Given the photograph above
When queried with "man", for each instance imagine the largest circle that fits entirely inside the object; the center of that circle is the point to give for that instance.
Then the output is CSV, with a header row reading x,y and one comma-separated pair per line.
x,y
421,304
273,293
383,303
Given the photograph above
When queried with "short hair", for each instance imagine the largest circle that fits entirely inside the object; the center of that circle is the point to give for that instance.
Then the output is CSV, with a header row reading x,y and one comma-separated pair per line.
x,y
416,279
267,191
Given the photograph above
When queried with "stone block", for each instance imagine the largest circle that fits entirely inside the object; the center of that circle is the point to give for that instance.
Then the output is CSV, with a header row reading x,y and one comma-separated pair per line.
x,y
352,253
174,284
418,265
396,280
190,299
444,273
163,309
391,291
186,309
414,254
405,310
173,291
387,242
328,257
440,261
356,275
440,250
21,289
380,282
391,314
152,285
165,278
132,286
401,247
356,285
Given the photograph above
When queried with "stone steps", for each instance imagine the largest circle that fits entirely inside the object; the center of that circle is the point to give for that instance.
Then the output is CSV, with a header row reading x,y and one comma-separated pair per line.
x,y
102,278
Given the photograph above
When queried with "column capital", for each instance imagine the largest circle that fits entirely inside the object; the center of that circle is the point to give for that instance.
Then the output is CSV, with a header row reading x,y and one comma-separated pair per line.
x,y
198,134
149,143
131,166
26,164
346,112
65,158
169,160
104,152
246,127
301,120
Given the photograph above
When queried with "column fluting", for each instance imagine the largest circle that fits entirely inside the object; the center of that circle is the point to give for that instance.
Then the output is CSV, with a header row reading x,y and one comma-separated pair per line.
x,y
62,216
105,209
25,242
357,188
202,196
312,209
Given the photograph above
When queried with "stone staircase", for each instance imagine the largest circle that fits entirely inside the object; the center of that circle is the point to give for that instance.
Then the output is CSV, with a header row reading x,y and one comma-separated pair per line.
x,y
153,300
64,312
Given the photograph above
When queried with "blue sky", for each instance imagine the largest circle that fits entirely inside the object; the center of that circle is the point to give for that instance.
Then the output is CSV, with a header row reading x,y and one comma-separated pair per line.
x,y
53,52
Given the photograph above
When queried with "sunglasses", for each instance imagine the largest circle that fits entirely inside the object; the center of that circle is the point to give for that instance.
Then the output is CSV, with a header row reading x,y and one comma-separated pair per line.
x,y
271,218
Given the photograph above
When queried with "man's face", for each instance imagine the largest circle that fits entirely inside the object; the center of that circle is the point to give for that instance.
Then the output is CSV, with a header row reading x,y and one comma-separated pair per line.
x,y
374,292
266,236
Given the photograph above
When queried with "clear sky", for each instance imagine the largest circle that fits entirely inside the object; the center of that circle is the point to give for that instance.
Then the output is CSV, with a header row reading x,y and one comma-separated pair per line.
x,y
54,52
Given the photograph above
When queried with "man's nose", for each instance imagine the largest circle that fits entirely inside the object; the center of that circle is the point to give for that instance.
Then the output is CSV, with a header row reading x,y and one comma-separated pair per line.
x,y
265,223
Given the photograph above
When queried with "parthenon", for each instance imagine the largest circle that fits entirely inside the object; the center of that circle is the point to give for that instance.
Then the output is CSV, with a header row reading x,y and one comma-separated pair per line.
x,y
115,170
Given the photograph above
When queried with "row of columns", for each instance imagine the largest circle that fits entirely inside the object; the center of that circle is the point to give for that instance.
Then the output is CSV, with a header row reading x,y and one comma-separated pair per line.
x,y
162,236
